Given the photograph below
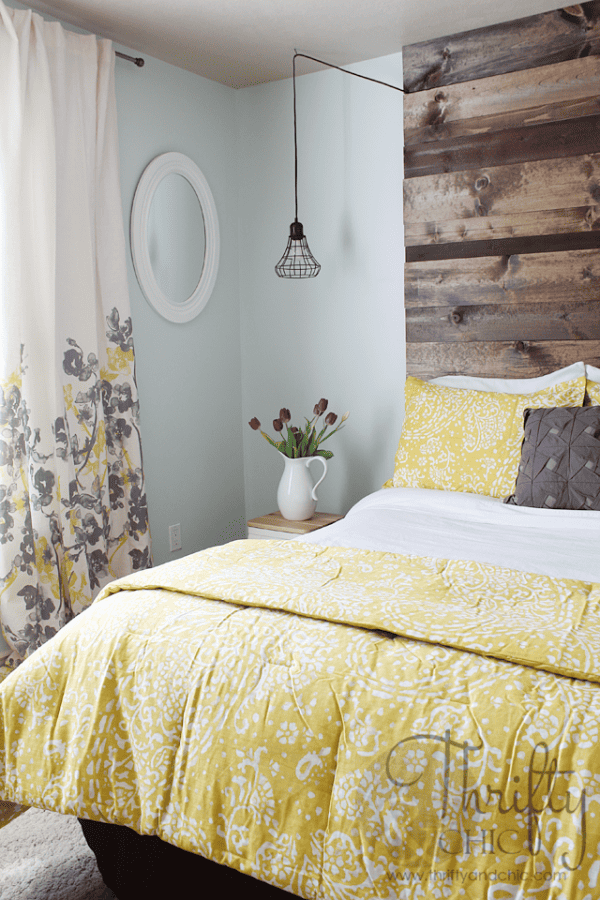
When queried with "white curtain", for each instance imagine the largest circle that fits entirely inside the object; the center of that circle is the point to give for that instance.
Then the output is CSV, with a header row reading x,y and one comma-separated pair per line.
x,y
72,500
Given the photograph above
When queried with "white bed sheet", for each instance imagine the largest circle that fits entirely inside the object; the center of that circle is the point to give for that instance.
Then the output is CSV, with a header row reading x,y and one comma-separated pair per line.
x,y
450,525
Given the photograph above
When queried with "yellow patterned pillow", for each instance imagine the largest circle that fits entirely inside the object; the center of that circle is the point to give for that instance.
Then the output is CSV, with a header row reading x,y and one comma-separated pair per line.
x,y
459,440
593,391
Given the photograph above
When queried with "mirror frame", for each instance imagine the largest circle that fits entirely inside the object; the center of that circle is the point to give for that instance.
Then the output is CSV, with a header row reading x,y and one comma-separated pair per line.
x,y
155,171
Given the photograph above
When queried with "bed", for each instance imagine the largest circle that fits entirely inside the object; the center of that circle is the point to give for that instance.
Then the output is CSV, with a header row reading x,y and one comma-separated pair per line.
x,y
405,704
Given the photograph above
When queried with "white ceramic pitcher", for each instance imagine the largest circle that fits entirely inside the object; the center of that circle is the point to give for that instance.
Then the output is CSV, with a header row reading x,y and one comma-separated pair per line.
x,y
296,494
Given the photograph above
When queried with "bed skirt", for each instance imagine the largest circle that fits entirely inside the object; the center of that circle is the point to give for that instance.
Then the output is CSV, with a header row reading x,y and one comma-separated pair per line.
x,y
135,866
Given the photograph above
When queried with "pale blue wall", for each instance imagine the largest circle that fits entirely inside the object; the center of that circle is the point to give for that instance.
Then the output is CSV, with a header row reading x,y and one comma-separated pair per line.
x,y
341,334
189,375
262,343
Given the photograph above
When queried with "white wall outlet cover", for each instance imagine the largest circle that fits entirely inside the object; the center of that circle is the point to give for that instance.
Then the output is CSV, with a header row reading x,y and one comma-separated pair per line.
x,y
175,537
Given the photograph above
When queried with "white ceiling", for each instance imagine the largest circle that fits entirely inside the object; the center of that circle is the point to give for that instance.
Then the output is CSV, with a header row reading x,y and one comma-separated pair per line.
x,y
243,42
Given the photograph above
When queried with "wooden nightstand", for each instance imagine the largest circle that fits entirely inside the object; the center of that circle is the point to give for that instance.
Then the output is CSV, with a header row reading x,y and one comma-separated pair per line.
x,y
275,526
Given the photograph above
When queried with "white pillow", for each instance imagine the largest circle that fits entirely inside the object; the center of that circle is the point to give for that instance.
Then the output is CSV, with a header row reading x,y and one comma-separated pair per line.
x,y
516,385
592,374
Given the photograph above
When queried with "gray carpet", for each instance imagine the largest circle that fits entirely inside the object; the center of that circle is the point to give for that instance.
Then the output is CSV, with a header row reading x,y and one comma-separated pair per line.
x,y
44,856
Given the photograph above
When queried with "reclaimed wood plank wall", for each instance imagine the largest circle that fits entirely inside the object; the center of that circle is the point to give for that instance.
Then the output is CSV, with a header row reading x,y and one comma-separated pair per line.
x,y
502,197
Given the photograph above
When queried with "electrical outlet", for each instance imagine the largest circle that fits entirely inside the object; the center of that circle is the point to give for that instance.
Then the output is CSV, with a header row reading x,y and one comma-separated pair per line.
x,y
175,537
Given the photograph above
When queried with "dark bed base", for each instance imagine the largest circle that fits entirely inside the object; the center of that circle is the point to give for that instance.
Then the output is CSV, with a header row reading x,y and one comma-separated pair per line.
x,y
135,866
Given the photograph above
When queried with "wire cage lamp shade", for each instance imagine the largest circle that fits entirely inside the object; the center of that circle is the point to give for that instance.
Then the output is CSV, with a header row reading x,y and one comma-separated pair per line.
x,y
297,260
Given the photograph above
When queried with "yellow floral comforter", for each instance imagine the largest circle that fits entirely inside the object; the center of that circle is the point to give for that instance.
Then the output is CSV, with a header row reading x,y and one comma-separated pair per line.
x,y
340,723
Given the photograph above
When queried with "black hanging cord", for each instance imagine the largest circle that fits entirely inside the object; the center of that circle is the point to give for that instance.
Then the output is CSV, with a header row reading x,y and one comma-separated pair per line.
x,y
295,140
331,66
348,72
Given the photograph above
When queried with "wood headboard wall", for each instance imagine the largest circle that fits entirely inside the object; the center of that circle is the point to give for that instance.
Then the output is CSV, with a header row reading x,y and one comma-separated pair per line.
x,y
502,197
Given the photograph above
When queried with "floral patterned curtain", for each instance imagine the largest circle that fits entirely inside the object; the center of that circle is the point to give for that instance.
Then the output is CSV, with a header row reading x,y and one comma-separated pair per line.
x,y
73,512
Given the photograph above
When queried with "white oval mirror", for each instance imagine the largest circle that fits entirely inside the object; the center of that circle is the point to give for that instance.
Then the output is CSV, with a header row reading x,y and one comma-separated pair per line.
x,y
174,234
176,237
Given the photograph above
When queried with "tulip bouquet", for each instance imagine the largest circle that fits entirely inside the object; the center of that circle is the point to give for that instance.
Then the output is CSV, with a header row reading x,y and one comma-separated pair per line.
x,y
303,442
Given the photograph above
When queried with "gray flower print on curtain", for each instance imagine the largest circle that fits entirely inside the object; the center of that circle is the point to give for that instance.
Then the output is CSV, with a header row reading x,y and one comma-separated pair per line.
x,y
76,518
73,512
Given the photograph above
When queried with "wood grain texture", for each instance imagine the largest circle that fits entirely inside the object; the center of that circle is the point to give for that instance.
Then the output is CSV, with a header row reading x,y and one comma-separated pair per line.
x,y
569,320
502,197
508,47
550,243
497,359
548,140
539,191
550,94
571,275
559,221
275,522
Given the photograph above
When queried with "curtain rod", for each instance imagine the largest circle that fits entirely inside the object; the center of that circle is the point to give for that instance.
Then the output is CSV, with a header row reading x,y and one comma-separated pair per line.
x,y
138,60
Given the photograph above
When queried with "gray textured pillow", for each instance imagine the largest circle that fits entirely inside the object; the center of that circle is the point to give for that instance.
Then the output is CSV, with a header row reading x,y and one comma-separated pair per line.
x,y
560,459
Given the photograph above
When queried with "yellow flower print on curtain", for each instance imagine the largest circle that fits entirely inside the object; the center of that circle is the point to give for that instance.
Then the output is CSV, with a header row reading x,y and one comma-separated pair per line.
x,y
76,518
73,510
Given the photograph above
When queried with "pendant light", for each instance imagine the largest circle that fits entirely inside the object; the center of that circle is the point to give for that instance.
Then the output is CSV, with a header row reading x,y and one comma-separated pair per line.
x,y
297,260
